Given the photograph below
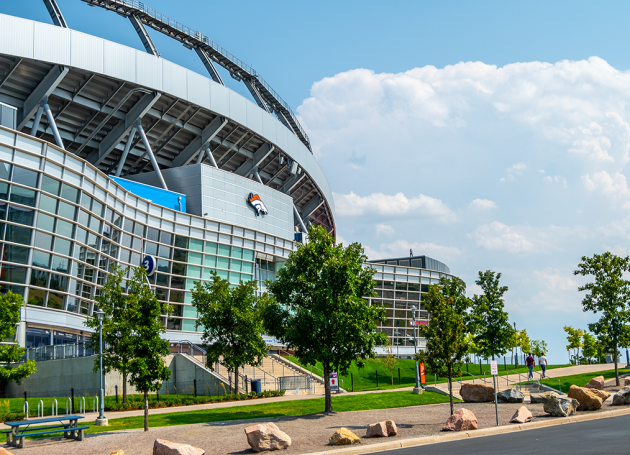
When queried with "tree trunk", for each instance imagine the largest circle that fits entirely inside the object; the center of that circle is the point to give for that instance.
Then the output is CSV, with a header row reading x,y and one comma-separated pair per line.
x,y
450,388
124,387
236,380
146,411
616,367
328,399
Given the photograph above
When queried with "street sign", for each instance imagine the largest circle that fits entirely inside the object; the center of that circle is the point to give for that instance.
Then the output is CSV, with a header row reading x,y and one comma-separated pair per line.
x,y
149,263
423,380
334,382
494,367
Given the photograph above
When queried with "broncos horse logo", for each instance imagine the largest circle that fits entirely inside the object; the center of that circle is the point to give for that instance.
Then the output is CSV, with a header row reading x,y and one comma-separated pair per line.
x,y
257,204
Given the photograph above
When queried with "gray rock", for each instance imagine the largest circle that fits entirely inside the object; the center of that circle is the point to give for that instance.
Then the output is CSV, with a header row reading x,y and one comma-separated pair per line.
x,y
560,406
540,397
510,396
622,398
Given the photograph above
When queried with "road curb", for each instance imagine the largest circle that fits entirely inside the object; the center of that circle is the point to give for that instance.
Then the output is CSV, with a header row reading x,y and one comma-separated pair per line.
x,y
413,442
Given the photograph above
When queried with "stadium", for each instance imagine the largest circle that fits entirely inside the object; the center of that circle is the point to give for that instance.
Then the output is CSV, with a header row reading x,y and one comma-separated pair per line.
x,y
108,153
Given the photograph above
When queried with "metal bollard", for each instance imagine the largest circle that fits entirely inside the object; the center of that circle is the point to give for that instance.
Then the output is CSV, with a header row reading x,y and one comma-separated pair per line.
x,y
25,409
72,395
68,404
116,387
40,408
95,403
195,387
82,406
54,408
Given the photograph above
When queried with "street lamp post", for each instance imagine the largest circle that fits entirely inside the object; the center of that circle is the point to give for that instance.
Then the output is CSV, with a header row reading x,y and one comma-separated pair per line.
x,y
101,420
416,390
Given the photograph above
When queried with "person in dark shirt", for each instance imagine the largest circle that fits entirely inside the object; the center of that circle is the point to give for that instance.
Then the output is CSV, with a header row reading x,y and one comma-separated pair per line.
x,y
530,362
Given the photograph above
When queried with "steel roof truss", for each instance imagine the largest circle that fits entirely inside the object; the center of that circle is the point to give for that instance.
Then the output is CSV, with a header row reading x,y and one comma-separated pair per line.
x,y
41,92
147,42
200,143
10,71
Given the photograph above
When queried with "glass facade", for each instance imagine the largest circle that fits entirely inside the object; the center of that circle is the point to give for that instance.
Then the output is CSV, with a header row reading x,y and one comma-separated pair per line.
x,y
398,289
63,224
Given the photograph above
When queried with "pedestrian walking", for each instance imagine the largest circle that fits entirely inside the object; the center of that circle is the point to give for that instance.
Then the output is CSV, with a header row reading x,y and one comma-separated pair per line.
x,y
542,363
530,362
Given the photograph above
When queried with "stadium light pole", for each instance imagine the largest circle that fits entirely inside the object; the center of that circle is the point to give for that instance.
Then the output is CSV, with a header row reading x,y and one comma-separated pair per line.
x,y
416,390
101,420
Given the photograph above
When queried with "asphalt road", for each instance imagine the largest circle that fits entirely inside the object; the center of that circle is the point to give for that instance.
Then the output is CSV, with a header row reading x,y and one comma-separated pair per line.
x,y
605,436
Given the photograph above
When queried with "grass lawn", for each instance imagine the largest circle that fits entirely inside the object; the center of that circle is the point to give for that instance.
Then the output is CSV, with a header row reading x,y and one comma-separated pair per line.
x,y
581,379
365,378
341,403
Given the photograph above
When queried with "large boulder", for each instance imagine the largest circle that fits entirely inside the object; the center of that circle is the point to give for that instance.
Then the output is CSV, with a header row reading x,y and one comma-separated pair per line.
x,y
622,398
560,406
510,396
267,436
626,381
596,383
588,400
476,393
541,397
601,393
461,420
376,429
392,429
164,447
522,415
343,437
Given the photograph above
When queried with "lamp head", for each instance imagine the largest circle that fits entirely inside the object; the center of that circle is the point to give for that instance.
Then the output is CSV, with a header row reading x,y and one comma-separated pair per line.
x,y
99,314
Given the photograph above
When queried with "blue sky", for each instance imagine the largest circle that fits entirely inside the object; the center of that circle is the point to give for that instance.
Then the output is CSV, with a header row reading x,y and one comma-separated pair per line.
x,y
489,135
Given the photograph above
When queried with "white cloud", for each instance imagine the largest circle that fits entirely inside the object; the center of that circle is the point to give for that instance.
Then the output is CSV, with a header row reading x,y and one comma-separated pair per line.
x,y
554,280
617,250
400,248
483,204
518,168
615,185
384,229
498,236
396,205
556,179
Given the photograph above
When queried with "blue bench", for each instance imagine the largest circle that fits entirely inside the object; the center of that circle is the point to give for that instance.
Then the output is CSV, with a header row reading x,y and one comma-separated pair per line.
x,y
68,425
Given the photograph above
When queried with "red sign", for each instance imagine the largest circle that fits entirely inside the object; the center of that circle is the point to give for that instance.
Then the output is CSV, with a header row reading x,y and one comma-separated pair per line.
x,y
418,322
423,380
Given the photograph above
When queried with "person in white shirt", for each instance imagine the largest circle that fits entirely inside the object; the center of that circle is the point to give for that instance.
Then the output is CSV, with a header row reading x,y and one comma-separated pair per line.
x,y
542,363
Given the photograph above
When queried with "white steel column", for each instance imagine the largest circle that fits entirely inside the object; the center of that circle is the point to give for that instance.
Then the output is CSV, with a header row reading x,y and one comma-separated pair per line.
x,y
151,156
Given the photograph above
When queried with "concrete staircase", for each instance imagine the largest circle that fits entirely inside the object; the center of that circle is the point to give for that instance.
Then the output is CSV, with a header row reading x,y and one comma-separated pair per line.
x,y
526,388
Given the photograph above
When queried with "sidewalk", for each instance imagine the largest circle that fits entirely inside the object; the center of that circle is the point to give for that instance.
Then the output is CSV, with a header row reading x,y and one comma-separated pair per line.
x,y
91,417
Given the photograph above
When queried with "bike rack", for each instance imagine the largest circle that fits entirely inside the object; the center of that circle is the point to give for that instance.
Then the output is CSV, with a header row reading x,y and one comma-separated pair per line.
x,y
54,411
82,406
68,406
40,408
95,403
25,409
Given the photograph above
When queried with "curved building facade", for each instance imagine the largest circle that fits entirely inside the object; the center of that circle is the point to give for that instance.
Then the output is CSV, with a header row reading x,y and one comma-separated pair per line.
x,y
107,151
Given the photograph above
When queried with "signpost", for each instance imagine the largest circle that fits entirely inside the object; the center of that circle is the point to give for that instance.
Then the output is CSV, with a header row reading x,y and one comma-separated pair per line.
x,y
334,382
494,369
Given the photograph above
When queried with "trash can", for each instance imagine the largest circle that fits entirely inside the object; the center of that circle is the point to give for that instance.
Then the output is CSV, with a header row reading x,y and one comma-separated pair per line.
x,y
256,386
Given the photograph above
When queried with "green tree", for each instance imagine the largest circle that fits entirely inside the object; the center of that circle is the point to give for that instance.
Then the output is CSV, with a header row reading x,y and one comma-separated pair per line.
x,y
489,322
390,361
608,294
10,305
446,332
574,339
539,348
589,346
232,324
117,330
319,308
523,341
147,369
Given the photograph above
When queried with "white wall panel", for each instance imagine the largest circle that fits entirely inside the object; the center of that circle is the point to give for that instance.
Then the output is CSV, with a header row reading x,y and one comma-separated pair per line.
x,y
149,70
174,79
51,44
269,127
16,36
198,89
238,111
281,138
119,61
254,118
86,52
219,99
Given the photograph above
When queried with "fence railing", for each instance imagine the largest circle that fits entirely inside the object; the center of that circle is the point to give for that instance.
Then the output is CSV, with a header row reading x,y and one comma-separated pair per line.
x,y
58,351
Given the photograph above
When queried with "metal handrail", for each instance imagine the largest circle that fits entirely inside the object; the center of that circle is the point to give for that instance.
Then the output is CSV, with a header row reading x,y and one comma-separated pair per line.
x,y
311,366
507,378
469,374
